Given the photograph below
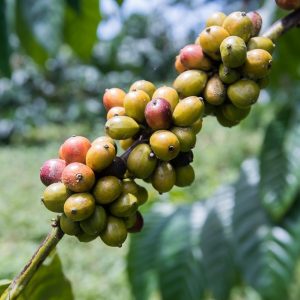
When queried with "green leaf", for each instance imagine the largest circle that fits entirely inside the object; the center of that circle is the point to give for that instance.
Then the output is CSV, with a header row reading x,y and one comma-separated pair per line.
x,y
4,49
143,252
4,283
216,244
38,25
179,265
49,283
80,27
250,223
280,165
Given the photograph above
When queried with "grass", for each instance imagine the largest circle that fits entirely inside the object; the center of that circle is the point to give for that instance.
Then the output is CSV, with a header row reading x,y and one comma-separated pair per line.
x,y
97,271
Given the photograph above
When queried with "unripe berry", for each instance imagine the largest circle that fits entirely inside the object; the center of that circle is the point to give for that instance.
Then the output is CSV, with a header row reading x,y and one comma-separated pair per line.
x,y
260,42
79,206
164,177
135,103
223,121
192,57
158,114
124,206
216,19
258,64
243,93
125,144
211,39
235,114
190,83
107,189
186,137
233,52
184,176
113,97
228,75
188,111
143,85
68,226
215,91
239,24
96,223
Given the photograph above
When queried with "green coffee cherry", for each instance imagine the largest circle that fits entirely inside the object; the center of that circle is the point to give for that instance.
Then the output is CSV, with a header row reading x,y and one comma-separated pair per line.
x,y
164,177
188,111
68,226
95,223
239,24
124,206
243,93
233,52
233,113
141,161
260,42
115,232
107,189
227,75
55,196
184,176
223,121
143,85
84,237
190,83
215,91
186,137
258,64
121,127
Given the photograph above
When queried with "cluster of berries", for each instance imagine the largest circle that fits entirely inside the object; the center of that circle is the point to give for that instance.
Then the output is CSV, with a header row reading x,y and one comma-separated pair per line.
x,y
227,66
220,75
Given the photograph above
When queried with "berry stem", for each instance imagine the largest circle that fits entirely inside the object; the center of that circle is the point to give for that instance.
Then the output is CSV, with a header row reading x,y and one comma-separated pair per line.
x,y
20,281
283,25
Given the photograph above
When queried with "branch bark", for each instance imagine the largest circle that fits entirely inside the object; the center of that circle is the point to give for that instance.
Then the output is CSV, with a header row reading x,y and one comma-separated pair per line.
x,y
44,249
283,25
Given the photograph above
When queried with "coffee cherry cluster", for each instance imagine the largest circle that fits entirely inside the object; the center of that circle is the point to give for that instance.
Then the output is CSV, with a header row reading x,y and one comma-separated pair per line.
x,y
227,66
220,75
86,184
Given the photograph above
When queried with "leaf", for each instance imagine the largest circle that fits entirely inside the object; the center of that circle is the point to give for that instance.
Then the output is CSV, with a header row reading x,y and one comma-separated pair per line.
x,y
4,283
280,165
4,49
49,283
80,27
179,265
74,4
216,244
250,223
143,251
38,25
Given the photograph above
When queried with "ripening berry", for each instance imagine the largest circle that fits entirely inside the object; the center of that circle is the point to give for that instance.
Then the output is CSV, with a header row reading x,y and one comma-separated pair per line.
x,y
137,225
192,57
256,20
79,206
197,126
106,139
179,67
51,171
169,94
164,144
74,149
78,177
158,114
113,97
143,85
125,144
186,137
288,4
115,111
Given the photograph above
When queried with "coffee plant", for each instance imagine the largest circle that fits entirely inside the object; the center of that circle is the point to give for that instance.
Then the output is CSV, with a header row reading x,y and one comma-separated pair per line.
x,y
248,233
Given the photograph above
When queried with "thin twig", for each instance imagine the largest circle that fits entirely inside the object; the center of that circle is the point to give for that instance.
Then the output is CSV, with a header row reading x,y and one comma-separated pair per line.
x,y
44,249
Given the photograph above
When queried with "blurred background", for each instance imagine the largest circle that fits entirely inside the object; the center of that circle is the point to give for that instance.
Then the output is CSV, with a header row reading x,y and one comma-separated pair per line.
x,y
233,234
